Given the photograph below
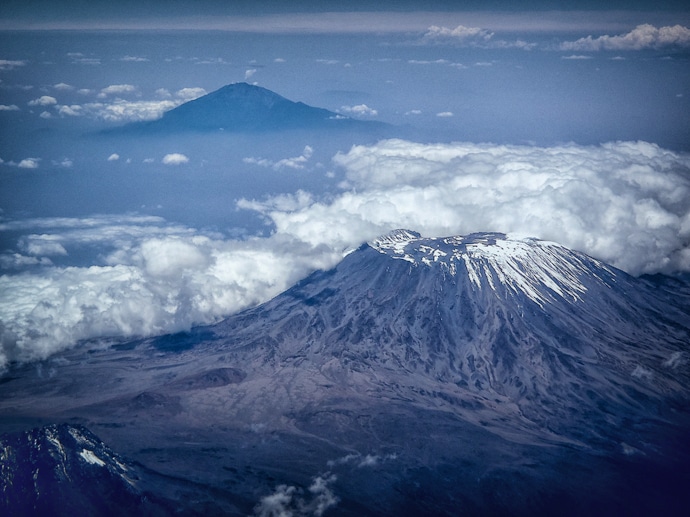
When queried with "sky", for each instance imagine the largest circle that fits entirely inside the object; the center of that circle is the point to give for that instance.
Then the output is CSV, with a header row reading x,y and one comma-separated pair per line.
x,y
561,121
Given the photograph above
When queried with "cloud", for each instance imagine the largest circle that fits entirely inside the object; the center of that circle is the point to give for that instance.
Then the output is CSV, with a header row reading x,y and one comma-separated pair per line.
x,y
152,278
65,162
576,57
298,162
134,59
29,163
360,110
81,59
63,87
469,37
249,73
10,107
70,111
46,114
289,501
42,245
175,159
640,38
113,157
627,203
122,110
359,461
126,111
445,114
188,94
45,100
460,34
8,64
117,89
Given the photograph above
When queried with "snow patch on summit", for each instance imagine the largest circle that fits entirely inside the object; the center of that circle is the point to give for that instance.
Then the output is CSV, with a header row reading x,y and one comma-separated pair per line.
x,y
521,265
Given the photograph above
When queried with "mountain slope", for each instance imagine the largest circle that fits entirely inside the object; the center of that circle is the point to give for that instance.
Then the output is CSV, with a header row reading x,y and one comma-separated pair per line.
x,y
560,339
66,470
241,107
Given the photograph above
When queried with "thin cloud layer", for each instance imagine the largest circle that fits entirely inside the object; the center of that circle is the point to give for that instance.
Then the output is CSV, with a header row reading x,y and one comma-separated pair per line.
x,y
642,37
360,110
297,162
123,110
469,37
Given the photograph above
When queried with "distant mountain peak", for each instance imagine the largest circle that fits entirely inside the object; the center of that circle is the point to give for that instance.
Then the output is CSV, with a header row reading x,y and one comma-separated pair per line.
x,y
242,107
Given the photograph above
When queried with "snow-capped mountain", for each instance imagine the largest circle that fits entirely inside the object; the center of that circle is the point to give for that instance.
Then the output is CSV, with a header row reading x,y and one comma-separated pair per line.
x,y
420,376
535,331
242,107
66,470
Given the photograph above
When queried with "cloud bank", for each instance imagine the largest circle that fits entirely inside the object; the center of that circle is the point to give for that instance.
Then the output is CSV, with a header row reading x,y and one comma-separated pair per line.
x,y
123,110
469,37
152,277
627,203
642,37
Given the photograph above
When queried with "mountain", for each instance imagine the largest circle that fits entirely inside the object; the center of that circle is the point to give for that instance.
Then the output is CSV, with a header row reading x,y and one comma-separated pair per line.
x,y
66,470
241,107
479,374
566,343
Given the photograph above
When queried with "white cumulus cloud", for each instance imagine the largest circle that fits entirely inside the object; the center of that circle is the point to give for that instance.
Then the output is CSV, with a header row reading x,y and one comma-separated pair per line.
x,y
288,501
29,163
188,94
113,157
641,37
9,107
360,110
45,100
175,159
117,89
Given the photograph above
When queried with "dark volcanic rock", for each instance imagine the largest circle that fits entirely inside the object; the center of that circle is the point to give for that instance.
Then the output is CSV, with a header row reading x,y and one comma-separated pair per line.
x,y
66,470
